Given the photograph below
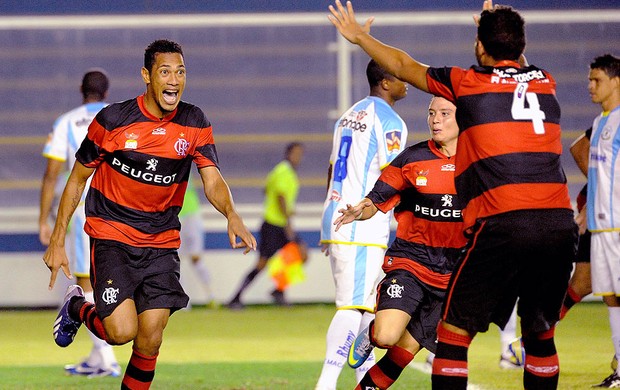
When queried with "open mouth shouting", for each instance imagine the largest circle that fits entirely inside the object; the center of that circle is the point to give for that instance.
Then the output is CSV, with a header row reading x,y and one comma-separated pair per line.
x,y
171,96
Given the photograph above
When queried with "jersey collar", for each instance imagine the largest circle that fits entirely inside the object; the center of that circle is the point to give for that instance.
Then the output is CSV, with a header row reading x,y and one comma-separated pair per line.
x,y
151,116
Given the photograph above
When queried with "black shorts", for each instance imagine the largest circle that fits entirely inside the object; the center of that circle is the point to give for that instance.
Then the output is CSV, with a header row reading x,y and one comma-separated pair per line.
x,y
526,254
271,239
149,276
583,249
401,290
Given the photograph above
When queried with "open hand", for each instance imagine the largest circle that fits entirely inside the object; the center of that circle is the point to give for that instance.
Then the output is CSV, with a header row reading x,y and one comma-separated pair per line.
x,y
344,20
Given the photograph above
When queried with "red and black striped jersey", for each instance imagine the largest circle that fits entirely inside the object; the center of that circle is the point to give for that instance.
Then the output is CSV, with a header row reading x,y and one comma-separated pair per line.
x,y
419,185
142,167
509,142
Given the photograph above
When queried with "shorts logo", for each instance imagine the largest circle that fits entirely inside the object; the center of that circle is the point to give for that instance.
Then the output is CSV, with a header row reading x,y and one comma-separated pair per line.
x,y
395,290
109,295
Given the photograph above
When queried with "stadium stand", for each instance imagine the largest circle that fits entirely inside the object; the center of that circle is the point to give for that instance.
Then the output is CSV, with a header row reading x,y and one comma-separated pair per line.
x,y
262,79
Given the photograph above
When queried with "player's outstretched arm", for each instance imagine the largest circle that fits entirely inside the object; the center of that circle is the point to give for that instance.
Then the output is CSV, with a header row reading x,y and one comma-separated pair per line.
x,y
55,256
218,193
395,61
363,210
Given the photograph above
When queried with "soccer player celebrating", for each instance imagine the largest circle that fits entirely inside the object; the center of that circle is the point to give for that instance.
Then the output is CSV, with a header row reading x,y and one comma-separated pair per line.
x,y
141,152
516,208
419,184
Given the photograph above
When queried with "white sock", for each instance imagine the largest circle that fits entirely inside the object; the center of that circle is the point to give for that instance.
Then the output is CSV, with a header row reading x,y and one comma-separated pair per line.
x,y
361,370
205,277
101,355
340,336
614,324
509,334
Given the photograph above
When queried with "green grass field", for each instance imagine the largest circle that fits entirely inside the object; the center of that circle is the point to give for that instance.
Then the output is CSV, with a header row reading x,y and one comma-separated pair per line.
x,y
266,347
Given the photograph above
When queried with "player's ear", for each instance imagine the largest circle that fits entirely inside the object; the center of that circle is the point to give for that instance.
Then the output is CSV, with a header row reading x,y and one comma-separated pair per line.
x,y
479,48
146,76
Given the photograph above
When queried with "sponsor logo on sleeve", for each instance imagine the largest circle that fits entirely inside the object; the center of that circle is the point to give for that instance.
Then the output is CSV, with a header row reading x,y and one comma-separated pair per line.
x,y
392,141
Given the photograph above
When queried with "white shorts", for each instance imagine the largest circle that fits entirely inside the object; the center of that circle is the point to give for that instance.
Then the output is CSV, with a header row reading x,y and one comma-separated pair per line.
x,y
78,245
192,235
605,263
357,271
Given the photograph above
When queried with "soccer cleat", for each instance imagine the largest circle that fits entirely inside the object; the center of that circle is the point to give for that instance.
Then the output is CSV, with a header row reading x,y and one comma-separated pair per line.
x,y
235,305
65,328
513,358
279,299
427,367
611,382
84,369
360,350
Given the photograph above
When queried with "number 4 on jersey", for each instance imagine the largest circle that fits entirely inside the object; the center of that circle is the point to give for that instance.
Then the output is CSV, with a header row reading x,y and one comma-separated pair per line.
x,y
532,112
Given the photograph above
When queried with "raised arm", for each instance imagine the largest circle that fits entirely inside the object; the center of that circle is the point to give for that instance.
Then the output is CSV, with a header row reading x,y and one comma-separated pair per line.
x,y
218,193
394,60
55,256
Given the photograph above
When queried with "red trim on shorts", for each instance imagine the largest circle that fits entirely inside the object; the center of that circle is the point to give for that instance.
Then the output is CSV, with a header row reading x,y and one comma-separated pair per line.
x,y
426,275
452,338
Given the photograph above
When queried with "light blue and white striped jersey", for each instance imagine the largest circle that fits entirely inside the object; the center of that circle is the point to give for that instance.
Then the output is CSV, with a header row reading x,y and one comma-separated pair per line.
x,y
66,137
603,199
366,139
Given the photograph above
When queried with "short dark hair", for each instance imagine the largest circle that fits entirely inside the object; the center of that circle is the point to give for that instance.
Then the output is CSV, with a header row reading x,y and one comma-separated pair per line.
x,y
95,83
608,63
502,33
160,46
291,146
375,74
